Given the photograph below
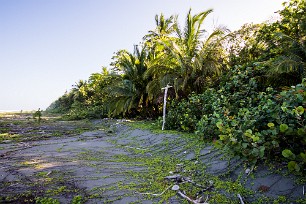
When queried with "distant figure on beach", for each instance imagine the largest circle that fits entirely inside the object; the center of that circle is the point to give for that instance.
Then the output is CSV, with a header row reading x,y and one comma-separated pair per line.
x,y
37,114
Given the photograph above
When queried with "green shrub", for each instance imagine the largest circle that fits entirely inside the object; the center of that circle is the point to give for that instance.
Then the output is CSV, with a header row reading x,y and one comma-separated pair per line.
x,y
246,120
184,115
79,112
272,128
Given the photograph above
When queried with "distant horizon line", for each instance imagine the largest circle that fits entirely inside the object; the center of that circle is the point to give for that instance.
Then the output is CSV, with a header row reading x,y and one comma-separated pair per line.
x,y
16,111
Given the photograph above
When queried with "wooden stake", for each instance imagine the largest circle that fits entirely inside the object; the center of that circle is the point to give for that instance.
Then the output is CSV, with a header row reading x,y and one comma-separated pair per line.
x,y
165,103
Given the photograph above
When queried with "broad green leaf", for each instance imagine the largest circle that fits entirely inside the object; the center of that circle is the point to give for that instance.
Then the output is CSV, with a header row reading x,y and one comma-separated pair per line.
x,y
234,140
244,145
293,166
283,127
219,125
275,143
262,151
299,97
248,133
288,154
222,137
255,152
299,110
271,125
284,107
303,156
255,138
218,144
304,82
301,131
234,123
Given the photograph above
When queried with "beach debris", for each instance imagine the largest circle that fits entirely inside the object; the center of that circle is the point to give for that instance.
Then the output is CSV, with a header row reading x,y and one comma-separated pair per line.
x,y
247,171
263,188
158,194
175,188
176,177
197,201
240,198
179,167
138,148
48,173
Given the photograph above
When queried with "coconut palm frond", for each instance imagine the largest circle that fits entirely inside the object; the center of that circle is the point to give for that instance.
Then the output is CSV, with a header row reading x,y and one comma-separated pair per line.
x,y
153,89
286,64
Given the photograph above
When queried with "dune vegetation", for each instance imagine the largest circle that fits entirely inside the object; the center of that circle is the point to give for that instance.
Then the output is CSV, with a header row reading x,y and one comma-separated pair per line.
x,y
244,90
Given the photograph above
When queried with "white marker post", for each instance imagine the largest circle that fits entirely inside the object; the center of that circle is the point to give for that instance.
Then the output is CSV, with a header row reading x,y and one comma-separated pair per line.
x,y
165,103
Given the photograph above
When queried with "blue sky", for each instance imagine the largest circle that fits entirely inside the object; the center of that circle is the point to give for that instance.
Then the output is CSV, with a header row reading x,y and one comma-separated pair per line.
x,y
48,45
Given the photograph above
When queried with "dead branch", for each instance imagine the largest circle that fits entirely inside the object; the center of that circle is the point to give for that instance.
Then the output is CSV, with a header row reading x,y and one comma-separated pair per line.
x,y
241,200
191,200
159,194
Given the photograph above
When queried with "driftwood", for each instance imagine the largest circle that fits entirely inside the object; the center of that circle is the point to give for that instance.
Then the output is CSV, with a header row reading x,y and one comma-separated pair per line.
x,y
136,148
198,201
241,200
179,179
159,194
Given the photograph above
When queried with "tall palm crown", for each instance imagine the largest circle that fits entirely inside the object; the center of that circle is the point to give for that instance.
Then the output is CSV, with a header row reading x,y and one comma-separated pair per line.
x,y
130,94
188,60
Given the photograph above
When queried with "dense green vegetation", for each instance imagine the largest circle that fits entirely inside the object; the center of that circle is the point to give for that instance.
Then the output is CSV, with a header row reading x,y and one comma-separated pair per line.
x,y
245,89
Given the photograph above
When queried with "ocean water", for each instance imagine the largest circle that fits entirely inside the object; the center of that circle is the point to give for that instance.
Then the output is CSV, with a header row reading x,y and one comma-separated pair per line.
x,y
15,111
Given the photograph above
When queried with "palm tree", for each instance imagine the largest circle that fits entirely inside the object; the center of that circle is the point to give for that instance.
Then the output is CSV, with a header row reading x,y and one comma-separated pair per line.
x,y
164,28
188,60
290,66
285,43
78,91
130,96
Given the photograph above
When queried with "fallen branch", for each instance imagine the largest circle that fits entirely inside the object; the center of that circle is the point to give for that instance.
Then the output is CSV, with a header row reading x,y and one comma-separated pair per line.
x,y
241,200
191,200
194,183
136,148
159,194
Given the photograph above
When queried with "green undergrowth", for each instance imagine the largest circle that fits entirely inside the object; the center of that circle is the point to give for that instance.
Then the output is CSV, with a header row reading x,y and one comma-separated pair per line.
x,y
152,181
248,120
161,164
155,127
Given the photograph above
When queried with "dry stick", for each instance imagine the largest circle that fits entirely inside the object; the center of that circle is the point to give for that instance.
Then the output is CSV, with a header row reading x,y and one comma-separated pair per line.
x,y
198,185
239,196
189,199
186,197
136,148
157,194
